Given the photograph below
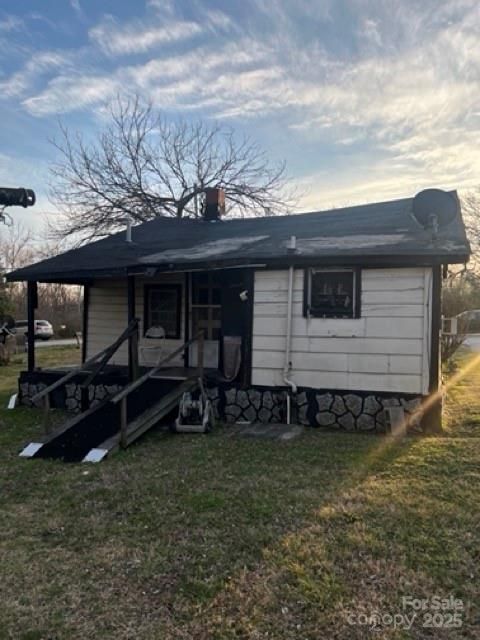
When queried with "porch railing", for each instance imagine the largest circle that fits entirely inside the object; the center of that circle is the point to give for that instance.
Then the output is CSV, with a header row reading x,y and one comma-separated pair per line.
x,y
123,395
102,356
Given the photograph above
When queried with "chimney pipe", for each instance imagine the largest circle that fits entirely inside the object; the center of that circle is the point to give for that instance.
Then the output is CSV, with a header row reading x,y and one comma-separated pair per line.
x,y
128,228
214,203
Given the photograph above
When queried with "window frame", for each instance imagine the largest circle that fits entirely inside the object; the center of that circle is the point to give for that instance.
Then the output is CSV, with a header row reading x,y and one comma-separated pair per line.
x,y
147,290
210,284
357,292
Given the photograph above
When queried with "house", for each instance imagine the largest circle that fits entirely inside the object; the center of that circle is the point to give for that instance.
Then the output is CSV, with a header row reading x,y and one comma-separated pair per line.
x,y
324,318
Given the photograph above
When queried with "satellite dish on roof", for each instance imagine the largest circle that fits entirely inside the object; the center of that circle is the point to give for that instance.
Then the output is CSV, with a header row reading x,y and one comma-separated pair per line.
x,y
434,208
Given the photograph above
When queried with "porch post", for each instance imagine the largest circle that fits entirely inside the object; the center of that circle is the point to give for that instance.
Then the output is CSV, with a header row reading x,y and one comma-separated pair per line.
x,y
247,342
133,339
186,334
432,419
32,303
86,302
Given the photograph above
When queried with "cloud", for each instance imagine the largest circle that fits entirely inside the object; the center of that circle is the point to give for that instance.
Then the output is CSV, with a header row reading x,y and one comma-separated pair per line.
x,y
162,6
181,81
66,92
371,34
77,8
389,91
11,23
21,81
218,20
364,179
137,37
375,99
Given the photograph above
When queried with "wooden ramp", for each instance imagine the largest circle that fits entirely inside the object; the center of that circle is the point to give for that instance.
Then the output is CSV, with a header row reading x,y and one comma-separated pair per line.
x,y
159,410
93,434
142,423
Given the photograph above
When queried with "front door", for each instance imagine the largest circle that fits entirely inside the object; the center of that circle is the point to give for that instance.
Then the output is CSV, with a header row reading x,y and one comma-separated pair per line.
x,y
235,331
206,309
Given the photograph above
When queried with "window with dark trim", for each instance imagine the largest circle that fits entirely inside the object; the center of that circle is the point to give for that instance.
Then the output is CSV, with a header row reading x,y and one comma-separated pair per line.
x,y
332,293
162,308
206,304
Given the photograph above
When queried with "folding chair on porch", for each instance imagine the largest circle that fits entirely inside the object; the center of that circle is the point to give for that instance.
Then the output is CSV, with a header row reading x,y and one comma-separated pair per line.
x,y
151,346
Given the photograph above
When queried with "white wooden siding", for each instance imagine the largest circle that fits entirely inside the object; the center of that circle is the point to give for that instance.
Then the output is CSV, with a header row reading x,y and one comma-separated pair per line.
x,y
107,315
384,350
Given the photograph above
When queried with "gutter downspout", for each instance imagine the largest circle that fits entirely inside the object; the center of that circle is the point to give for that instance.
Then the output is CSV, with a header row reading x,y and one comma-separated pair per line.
x,y
288,337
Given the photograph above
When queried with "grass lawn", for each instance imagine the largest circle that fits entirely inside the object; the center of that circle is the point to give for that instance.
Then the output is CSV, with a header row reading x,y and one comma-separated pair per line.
x,y
44,356
463,401
217,537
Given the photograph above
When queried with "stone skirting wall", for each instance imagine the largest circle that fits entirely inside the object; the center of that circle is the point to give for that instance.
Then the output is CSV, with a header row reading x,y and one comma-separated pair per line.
x,y
27,390
329,410
352,411
233,404
71,394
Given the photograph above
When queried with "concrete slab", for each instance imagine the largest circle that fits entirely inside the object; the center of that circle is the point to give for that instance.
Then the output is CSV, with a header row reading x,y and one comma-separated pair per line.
x,y
270,431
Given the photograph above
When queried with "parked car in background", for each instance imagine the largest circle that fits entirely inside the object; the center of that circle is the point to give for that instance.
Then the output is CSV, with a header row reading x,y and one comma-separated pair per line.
x,y
43,329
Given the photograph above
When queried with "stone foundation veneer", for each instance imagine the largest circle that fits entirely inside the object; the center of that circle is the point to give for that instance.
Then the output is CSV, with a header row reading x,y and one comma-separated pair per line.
x,y
352,411
72,399
26,391
329,410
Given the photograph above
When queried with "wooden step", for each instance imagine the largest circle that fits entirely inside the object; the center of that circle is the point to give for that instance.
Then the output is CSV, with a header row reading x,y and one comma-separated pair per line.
x,y
154,414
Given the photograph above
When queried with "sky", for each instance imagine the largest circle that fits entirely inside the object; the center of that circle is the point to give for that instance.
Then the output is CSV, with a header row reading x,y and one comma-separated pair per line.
x,y
365,100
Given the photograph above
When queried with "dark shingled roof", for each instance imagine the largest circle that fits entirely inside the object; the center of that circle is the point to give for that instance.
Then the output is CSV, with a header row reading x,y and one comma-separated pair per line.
x,y
379,233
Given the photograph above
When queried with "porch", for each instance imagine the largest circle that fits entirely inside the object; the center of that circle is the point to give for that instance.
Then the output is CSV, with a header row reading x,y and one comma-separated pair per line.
x,y
168,309
112,411
108,382
194,332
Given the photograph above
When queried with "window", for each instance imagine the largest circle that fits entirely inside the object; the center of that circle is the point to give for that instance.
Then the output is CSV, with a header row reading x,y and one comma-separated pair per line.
x,y
206,305
332,293
163,308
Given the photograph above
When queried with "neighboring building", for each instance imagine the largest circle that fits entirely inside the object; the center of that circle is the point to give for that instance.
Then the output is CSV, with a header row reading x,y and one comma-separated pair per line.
x,y
334,315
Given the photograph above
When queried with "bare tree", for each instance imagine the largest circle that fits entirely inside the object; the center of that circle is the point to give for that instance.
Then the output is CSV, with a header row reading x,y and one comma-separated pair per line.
x,y
58,303
469,273
471,217
15,251
144,166
16,246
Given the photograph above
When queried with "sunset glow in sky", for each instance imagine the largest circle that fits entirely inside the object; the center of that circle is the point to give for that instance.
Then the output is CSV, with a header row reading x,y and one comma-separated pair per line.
x,y
365,99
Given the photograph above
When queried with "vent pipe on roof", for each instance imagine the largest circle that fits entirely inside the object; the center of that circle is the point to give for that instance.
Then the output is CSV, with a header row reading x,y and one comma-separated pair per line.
x,y
214,206
128,228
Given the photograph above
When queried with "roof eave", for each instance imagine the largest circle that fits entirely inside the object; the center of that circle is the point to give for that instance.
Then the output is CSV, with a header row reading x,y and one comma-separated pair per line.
x,y
373,260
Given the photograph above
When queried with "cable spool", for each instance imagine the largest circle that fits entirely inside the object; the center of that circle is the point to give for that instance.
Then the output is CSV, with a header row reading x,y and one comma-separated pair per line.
x,y
195,415
189,405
